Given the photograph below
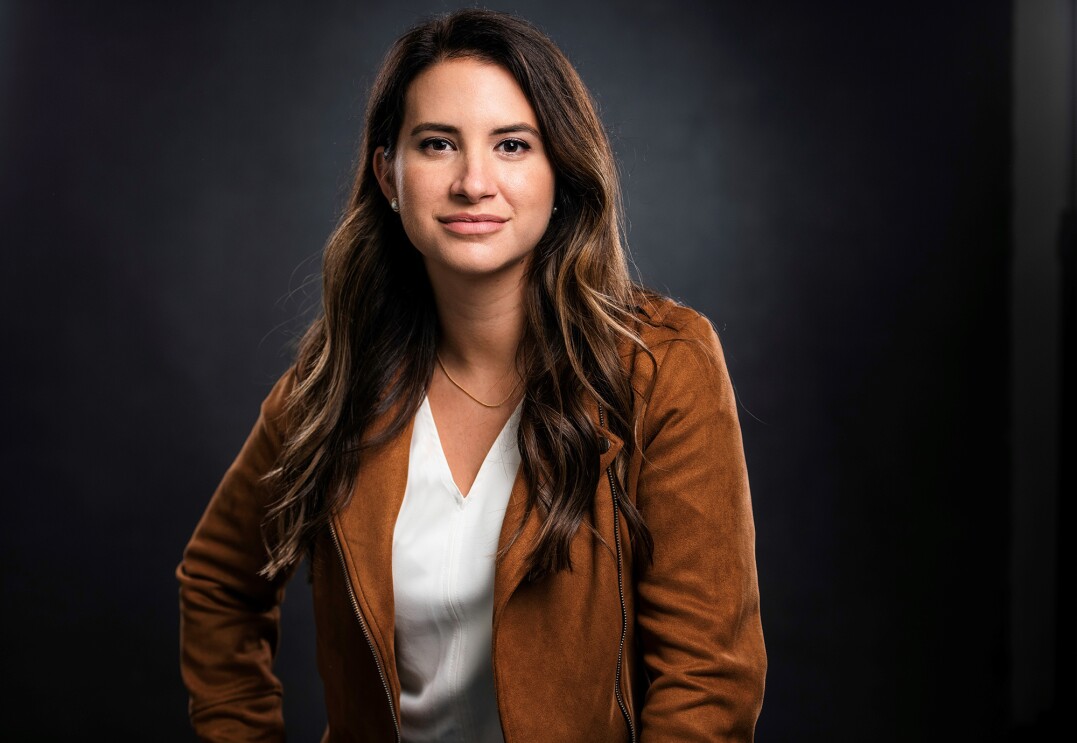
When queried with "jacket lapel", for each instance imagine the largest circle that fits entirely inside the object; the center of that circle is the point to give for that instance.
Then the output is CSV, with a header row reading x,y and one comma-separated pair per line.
x,y
365,527
514,549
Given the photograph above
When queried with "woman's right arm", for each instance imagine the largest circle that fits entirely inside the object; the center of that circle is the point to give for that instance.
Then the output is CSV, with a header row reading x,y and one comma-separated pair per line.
x,y
229,614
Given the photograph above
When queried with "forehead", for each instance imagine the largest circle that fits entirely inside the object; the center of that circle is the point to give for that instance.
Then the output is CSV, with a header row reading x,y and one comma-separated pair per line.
x,y
467,91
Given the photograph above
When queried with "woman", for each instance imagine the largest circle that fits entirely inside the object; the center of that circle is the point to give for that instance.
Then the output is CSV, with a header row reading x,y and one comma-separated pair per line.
x,y
519,476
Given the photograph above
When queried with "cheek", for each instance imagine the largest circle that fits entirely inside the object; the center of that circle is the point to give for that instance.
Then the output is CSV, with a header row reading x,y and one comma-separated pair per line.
x,y
414,185
414,205
533,188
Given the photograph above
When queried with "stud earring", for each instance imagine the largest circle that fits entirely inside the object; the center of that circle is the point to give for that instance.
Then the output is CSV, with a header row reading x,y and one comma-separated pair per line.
x,y
394,205
555,210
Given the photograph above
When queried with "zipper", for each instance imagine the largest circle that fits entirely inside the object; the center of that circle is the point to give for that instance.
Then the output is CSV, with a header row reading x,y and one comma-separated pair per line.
x,y
366,632
620,593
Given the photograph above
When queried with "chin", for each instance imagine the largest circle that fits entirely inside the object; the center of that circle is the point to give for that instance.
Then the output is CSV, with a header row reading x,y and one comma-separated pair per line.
x,y
477,262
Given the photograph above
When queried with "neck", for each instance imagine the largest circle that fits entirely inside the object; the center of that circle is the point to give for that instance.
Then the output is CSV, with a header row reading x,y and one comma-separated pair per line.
x,y
482,322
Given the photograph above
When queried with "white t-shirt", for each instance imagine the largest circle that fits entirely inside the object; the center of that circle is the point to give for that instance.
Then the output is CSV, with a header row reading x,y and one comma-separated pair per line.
x,y
444,547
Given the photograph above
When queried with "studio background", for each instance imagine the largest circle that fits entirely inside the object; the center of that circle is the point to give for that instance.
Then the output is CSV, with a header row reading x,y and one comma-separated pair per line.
x,y
863,197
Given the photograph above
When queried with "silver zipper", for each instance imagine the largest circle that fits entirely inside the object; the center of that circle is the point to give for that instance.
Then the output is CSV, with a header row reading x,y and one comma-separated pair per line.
x,y
366,632
620,593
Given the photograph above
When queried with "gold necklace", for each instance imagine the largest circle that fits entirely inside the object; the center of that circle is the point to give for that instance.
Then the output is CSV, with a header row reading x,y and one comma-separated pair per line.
x,y
460,387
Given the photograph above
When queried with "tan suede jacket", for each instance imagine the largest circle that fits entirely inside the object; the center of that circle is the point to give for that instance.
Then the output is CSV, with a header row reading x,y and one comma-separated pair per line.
x,y
611,651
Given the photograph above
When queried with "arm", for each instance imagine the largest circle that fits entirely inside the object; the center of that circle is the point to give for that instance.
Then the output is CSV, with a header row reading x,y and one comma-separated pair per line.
x,y
228,613
698,603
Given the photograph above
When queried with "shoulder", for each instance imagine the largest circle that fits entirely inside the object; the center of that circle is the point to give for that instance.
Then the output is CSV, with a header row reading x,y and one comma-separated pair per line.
x,y
276,411
679,345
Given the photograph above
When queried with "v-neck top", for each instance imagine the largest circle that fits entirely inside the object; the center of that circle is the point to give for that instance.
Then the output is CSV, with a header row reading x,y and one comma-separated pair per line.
x,y
444,546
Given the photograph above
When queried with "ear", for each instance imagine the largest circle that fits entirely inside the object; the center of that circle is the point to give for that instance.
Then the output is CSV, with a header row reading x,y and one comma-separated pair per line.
x,y
383,171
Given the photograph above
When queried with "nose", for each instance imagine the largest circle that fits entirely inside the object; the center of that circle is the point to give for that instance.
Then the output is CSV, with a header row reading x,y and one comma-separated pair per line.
x,y
476,180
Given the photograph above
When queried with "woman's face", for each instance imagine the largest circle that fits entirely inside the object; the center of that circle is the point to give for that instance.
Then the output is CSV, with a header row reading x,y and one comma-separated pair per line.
x,y
469,170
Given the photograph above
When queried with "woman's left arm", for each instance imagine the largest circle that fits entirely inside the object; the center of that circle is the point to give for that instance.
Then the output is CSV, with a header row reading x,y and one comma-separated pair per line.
x,y
697,604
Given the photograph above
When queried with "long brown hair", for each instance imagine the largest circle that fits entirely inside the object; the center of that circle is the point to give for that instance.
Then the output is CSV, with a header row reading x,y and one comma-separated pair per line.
x,y
372,351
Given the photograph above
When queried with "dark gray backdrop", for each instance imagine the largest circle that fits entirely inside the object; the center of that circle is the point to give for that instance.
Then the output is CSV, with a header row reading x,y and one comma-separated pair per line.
x,y
829,182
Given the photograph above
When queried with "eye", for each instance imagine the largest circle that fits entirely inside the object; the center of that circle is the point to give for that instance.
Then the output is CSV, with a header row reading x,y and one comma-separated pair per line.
x,y
513,146
436,144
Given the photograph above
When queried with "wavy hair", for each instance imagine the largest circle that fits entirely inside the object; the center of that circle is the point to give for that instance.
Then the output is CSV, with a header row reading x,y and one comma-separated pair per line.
x,y
371,353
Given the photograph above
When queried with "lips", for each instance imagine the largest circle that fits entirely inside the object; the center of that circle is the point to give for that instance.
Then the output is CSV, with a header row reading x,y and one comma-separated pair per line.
x,y
472,224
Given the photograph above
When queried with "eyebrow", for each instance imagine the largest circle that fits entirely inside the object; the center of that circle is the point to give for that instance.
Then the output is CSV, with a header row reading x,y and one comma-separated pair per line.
x,y
433,126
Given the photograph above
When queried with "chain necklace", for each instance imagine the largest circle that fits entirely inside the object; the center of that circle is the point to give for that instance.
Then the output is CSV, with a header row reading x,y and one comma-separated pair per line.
x,y
461,388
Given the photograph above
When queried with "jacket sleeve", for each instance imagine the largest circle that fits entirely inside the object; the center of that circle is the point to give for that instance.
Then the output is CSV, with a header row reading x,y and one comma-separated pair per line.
x,y
229,614
698,602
